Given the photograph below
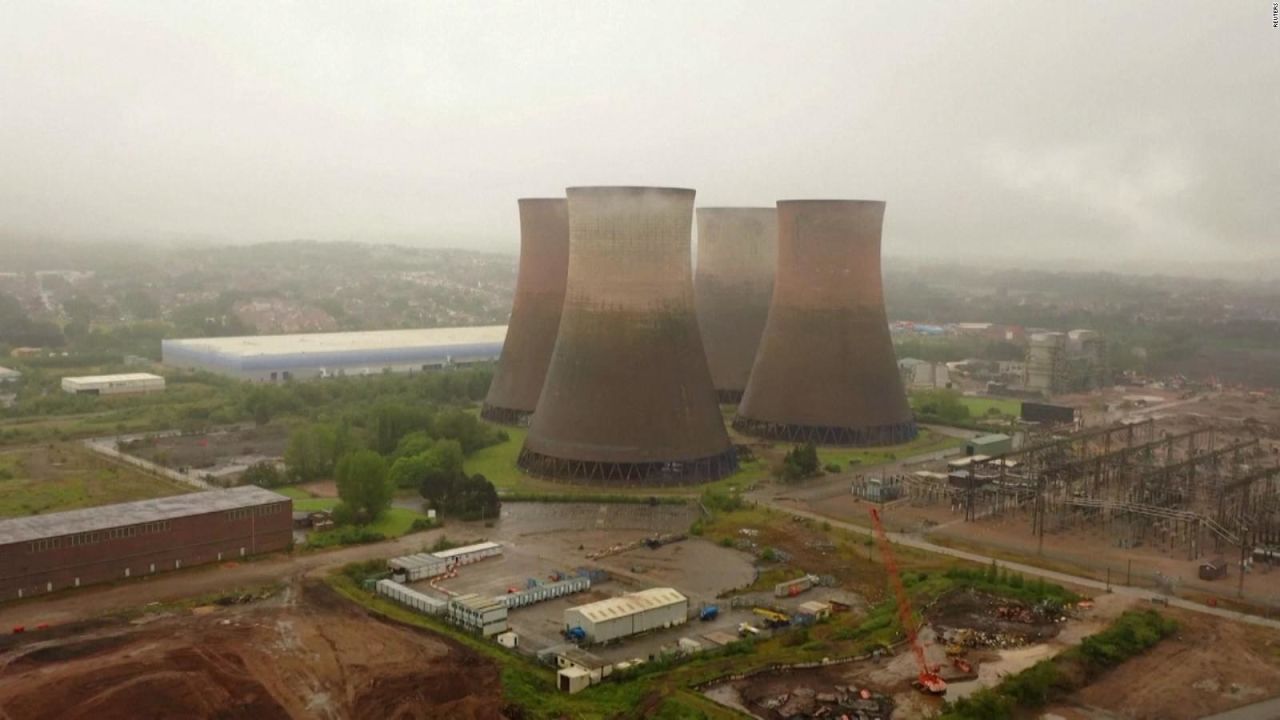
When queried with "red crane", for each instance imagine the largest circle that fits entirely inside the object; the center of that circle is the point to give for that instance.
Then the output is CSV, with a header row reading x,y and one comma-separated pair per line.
x,y
929,679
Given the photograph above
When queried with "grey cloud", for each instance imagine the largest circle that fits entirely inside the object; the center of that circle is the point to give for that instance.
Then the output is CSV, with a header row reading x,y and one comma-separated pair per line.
x,y
1125,132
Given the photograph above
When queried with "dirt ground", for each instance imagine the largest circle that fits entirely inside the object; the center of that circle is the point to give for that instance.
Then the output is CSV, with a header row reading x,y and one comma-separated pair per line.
x,y
1210,666
970,618
308,653
230,446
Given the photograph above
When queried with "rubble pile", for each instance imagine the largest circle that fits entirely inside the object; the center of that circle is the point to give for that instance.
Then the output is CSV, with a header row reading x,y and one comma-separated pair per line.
x,y
842,702
972,619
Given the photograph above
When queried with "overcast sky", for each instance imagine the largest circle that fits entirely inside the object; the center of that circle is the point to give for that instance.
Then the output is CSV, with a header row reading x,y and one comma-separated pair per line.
x,y
1019,129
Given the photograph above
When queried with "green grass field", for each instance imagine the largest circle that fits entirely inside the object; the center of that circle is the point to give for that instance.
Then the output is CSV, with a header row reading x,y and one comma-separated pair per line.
x,y
927,441
980,407
52,478
498,464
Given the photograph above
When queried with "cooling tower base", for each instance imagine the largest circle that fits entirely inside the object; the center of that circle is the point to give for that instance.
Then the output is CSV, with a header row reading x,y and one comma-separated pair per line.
x,y
678,472
505,416
826,435
729,397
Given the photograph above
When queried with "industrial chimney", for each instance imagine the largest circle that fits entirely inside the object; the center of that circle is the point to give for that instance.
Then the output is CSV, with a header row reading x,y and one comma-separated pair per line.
x,y
826,371
628,397
535,312
737,252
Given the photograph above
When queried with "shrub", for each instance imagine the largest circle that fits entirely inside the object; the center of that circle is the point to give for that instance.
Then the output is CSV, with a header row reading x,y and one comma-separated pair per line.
x,y
832,467
349,535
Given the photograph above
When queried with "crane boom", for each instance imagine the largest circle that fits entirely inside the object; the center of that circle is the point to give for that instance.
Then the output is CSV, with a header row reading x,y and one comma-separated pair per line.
x,y
929,678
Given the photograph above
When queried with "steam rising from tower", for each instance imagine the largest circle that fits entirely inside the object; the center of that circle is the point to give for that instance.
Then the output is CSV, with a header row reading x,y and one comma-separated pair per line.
x,y
535,311
628,396
737,251
826,371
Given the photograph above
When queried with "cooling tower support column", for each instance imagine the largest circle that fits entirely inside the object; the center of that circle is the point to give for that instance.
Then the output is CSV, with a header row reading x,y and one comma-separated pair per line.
x,y
826,371
535,312
737,250
628,397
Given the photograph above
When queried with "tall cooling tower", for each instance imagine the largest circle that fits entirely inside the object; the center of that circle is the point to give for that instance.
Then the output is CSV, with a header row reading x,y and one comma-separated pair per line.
x,y
737,252
628,397
826,371
535,312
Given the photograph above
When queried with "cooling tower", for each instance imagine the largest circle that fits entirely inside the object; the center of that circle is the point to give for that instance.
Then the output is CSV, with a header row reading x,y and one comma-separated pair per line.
x,y
535,312
826,371
737,251
628,397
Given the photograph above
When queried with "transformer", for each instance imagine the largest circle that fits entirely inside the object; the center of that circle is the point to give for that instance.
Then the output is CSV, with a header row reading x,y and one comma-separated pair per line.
x,y
628,397
733,283
535,312
826,372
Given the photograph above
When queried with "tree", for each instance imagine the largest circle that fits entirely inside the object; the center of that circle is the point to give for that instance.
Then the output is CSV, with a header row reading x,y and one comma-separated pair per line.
x,y
363,485
311,453
415,443
263,474
393,421
800,462
442,471
474,498
409,472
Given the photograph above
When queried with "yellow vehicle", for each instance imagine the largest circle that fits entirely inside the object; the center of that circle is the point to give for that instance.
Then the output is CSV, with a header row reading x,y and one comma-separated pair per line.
x,y
772,618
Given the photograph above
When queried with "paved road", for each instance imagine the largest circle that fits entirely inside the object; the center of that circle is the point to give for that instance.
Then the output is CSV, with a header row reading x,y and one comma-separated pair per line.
x,y
1060,577
1265,710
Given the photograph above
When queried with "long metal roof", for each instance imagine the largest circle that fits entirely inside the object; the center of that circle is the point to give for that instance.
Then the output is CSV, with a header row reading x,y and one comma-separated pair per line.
x,y
630,604
36,527
259,345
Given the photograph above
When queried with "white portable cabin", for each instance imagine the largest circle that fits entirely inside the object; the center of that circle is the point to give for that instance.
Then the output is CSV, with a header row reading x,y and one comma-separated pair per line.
x,y
410,597
468,554
420,566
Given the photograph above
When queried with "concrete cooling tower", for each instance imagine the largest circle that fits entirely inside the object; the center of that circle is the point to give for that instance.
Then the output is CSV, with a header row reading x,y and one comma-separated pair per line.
x,y
535,312
628,397
737,252
826,371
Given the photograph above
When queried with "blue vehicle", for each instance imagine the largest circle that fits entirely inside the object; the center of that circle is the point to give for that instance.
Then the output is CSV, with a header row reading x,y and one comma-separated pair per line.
x,y
710,612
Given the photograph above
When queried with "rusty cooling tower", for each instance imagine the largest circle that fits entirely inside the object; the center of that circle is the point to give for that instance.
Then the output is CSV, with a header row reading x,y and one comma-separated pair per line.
x,y
826,371
737,250
628,397
535,312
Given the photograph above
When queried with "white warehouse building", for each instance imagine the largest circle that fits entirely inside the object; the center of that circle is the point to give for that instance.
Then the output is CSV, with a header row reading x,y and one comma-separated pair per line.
x,y
630,614
274,358
113,384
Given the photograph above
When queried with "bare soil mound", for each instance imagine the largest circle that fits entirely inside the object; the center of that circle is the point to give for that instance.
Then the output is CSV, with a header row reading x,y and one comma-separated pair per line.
x,y
320,657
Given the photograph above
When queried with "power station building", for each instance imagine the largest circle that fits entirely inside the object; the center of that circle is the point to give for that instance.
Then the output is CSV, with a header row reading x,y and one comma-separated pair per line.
x,y
630,614
44,553
274,358
535,312
826,371
628,396
733,284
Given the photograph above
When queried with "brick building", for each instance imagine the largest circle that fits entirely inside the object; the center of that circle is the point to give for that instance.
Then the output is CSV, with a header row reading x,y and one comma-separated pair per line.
x,y
43,553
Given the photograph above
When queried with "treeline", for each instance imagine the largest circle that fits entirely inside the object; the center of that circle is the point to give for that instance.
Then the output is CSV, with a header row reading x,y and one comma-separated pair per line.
x,y
377,435
1131,634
